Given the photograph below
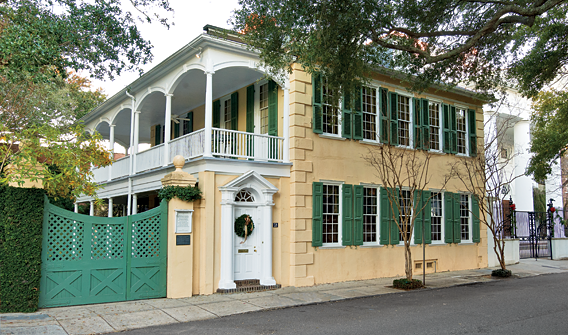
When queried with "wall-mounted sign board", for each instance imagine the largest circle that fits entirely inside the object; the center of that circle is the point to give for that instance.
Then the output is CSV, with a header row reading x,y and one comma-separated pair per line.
x,y
184,220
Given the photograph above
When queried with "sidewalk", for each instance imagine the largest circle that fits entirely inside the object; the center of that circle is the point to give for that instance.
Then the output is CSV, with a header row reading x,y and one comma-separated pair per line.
x,y
112,317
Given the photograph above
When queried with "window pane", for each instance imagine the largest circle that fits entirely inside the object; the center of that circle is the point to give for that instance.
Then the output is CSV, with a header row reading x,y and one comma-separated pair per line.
x,y
330,213
436,215
370,214
369,113
403,120
434,113
464,216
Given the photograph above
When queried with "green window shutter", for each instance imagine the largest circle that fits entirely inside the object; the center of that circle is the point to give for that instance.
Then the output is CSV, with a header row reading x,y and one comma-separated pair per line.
x,y
190,122
457,226
453,131
358,115
176,130
385,217
418,144
384,115
347,215
449,217
393,98
472,133
158,134
317,100
250,109
217,114
419,216
235,111
425,124
475,234
447,133
427,216
358,215
346,117
394,218
317,214
272,108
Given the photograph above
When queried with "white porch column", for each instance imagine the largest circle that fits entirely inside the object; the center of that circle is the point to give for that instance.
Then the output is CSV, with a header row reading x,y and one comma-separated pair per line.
x,y
208,113
167,129
109,207
111,149
523,196
131,147
134,203
136,139
286,123
76,209
92,209
227,275
266,277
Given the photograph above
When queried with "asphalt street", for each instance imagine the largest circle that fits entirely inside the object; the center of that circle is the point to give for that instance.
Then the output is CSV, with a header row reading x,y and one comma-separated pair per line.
x,y
535,305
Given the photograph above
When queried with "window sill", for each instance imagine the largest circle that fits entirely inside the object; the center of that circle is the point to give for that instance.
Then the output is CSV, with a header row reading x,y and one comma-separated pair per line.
x,y
332,247
371,246
466,243
370,142
433,244
332,137
437,152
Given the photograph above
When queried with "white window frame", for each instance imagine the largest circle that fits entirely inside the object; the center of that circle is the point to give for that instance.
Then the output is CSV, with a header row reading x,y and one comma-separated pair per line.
x,y
440,127
340,216
223,101
339,119
458,107
257,116
442,219
378,215
401,241
470,217
377,115
411,121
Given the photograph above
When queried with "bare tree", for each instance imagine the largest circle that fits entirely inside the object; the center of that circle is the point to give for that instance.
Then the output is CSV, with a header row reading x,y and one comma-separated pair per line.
x,y
404,174
488,177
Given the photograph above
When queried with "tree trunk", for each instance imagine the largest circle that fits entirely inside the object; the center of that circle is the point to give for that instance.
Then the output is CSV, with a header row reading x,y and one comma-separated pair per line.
x,y
408,260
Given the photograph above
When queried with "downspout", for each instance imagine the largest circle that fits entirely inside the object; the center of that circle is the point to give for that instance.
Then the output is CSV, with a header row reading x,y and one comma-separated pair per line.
x,y
129,199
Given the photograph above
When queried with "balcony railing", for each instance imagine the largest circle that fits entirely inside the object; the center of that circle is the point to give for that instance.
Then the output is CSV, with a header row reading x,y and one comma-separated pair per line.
x,y
224,143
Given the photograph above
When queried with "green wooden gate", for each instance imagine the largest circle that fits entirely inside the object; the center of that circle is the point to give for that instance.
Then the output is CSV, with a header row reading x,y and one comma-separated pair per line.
x,y
88,259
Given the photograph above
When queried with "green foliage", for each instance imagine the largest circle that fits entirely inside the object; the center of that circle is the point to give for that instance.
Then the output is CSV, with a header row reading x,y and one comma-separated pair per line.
x,y
21,218
407,284
240,226
501,273
183,193
444,41
549,133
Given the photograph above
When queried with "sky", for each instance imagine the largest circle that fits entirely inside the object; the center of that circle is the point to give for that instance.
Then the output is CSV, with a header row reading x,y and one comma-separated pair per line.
x,y
189,18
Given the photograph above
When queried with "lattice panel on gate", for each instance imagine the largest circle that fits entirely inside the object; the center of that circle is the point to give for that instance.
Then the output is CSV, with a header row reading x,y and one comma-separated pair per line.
x,y
146,237
64,239
107,241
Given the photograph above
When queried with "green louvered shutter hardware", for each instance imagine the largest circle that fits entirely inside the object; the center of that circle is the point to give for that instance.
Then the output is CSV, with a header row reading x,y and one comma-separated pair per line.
x,y
317,214
425,124
358,115
418,138
384,223
447,133
347,214
317,101
448,217
384,115
346,117
427,216
176,129
453,130
418,217
457,219
250,109
393,99
476,238
272,108
472,133
217,114
158,135
235,111
395,218
358,214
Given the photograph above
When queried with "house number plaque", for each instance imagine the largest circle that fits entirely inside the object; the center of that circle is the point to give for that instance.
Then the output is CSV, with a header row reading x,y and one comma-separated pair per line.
x,y
183,221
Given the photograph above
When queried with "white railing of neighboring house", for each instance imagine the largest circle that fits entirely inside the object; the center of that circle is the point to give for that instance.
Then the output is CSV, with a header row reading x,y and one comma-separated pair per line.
x,y
150,159
237,144
120,168
101,174
189,146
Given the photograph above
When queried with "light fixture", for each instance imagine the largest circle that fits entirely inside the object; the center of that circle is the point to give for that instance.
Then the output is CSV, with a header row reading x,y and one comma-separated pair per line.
x,y
199,53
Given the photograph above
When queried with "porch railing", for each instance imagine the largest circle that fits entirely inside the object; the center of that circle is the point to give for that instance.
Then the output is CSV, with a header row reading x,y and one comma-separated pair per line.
x,y
237,144
101,174
150,159
120,168
189,146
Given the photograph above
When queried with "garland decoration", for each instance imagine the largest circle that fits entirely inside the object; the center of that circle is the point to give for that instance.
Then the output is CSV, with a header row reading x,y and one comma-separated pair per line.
x,y
185,193
244,226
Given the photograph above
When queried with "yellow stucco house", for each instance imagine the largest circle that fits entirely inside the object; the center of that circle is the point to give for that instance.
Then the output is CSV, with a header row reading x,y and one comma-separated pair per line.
x,y
277,152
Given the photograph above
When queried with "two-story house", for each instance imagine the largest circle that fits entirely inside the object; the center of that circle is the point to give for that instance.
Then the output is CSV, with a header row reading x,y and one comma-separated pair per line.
x,y
282,153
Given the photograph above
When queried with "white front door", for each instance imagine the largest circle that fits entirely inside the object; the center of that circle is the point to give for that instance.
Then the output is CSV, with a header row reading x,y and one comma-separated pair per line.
x,y
247,253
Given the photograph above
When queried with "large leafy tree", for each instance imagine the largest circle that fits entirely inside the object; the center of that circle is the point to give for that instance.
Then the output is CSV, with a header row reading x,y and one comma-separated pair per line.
x,y
43,43
477,42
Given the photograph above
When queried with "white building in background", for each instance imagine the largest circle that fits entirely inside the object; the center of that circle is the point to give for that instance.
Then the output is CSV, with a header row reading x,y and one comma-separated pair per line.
x,y
512,114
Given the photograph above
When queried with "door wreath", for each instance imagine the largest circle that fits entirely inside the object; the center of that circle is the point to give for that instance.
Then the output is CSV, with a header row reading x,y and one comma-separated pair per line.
x,y
244,226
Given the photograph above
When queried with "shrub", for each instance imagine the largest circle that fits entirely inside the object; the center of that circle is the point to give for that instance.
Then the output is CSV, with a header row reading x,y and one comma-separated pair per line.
x,y
21,219
501,273
406,284
188,193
